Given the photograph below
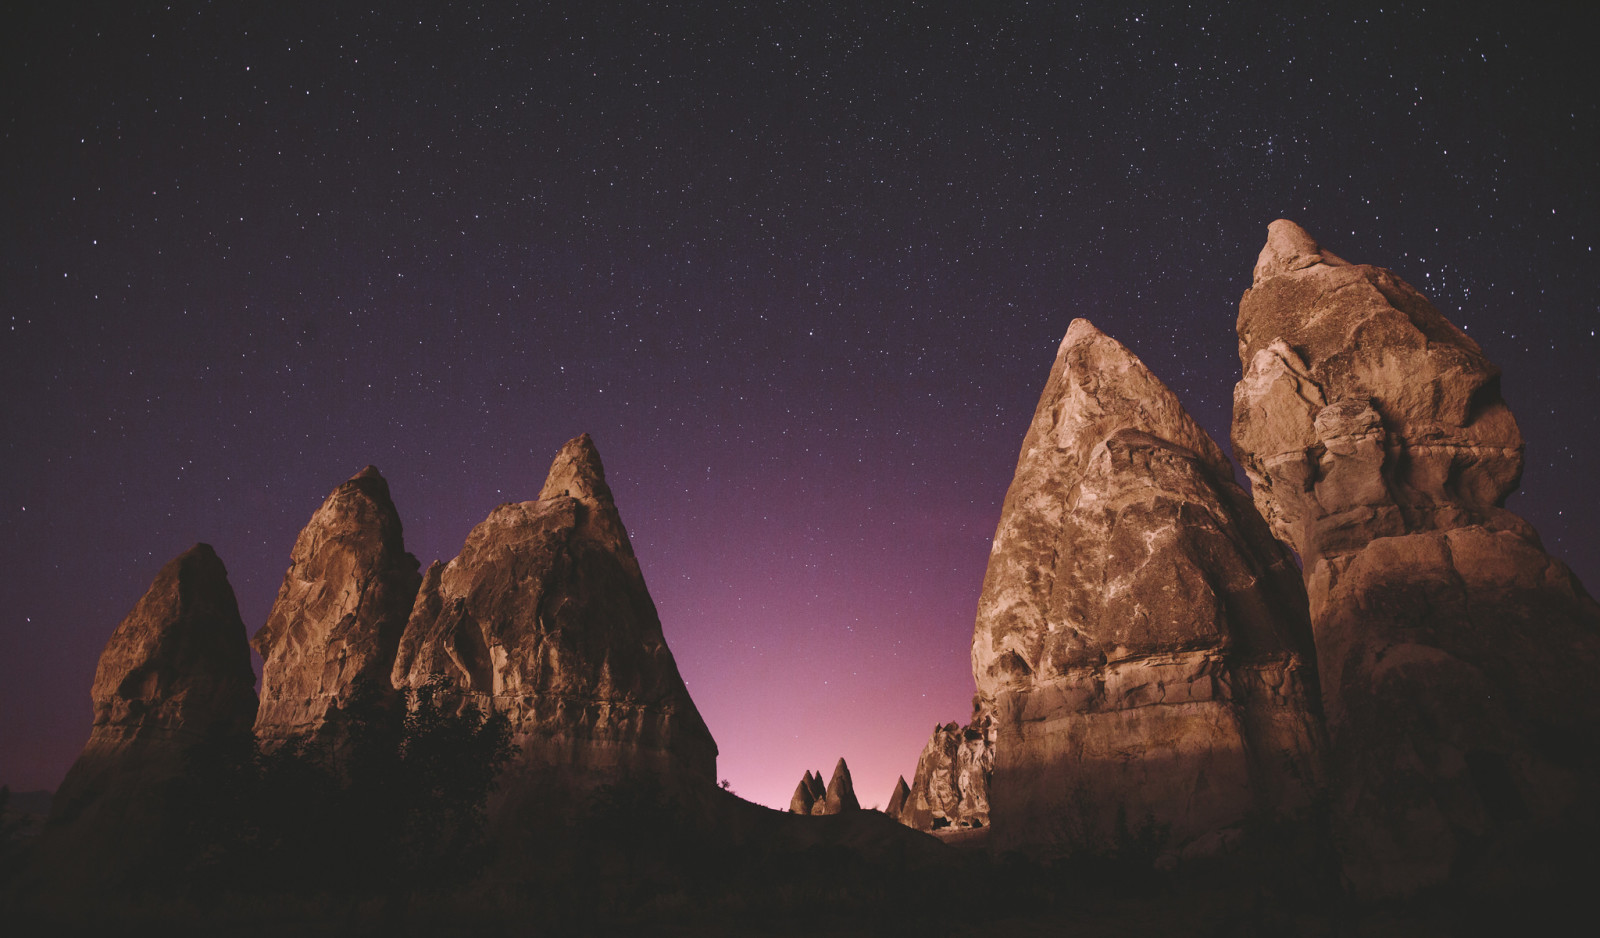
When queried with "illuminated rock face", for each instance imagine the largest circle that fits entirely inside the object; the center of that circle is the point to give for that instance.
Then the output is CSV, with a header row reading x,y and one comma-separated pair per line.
x,y
951,787
174,677
544,616
339,614
1142,646
839,797
1456,656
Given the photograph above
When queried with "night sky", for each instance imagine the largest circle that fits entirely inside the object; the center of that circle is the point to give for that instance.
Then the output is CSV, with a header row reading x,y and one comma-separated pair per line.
x,y
800,271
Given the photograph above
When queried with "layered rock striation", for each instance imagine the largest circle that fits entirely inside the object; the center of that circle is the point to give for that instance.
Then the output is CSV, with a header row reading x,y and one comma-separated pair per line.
x,y
336,624
1456,655
544,616
1141,646
174,677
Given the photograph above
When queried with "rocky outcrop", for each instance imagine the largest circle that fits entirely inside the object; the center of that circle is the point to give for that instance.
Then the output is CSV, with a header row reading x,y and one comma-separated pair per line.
x,y
897,800
1141,644
950,789
810,797
841,793
544,616
174,677
339,614
1456,656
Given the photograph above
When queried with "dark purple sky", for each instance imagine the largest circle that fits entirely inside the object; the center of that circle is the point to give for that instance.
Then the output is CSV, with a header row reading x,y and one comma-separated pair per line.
x,y
801,272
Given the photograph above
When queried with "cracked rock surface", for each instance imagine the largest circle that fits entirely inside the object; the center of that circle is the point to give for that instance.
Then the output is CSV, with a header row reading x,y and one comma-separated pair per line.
x,y
1456,656
338,617
1141,643
544,616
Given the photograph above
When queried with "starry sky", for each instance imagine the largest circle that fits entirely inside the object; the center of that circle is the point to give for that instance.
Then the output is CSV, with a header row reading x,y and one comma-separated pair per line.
x,y
799,269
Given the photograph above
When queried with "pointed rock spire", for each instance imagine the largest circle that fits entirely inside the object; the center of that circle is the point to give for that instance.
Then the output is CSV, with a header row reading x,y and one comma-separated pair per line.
x,y
174,677
544,615
803,799
339,613
841,794
1141,639
1456,656
897,800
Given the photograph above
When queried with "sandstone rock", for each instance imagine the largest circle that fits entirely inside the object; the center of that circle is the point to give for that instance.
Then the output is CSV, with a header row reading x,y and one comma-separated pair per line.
x,y
1456,656
897,800
544,616
1142,646
951,786
339,614
175,676
841,793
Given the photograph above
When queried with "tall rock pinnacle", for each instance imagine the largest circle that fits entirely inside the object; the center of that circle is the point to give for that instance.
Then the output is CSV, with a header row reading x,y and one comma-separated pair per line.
x,y
175,675
1456,656
1141,641
339,614
544,616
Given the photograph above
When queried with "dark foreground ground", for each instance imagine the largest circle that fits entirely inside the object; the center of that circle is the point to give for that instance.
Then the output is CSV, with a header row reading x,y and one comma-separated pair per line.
x,y
640,866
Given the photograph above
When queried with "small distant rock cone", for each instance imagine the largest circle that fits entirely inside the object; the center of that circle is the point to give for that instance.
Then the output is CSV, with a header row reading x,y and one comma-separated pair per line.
x,y
803,798
1457,657
1141,642
897,800
174,677
544,616
841,793
337,621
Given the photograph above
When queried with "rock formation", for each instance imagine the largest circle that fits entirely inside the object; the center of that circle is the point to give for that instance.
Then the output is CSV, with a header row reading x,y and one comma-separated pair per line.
x,y
1141,644
841,793
339,614
810,797
897,800
1456,656
950,789
175,676
809,794
544,616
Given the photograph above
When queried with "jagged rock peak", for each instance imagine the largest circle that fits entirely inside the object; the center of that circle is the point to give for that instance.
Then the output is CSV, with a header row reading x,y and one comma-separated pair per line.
x,y
1097,386
577,473
179,663
544,615
1290,248
1141,638
802,800
841,794
1456,656
339,613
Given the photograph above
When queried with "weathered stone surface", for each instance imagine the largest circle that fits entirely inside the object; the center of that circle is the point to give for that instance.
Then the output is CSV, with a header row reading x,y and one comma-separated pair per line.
x,y
1456,656
1141,644
544,616
841,793
339,614
951,786
175,675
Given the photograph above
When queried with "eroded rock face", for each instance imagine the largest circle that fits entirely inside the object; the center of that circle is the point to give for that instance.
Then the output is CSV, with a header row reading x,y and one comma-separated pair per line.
x,y
544,616
337,621
1141,643
175,676
951,786
1456,656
